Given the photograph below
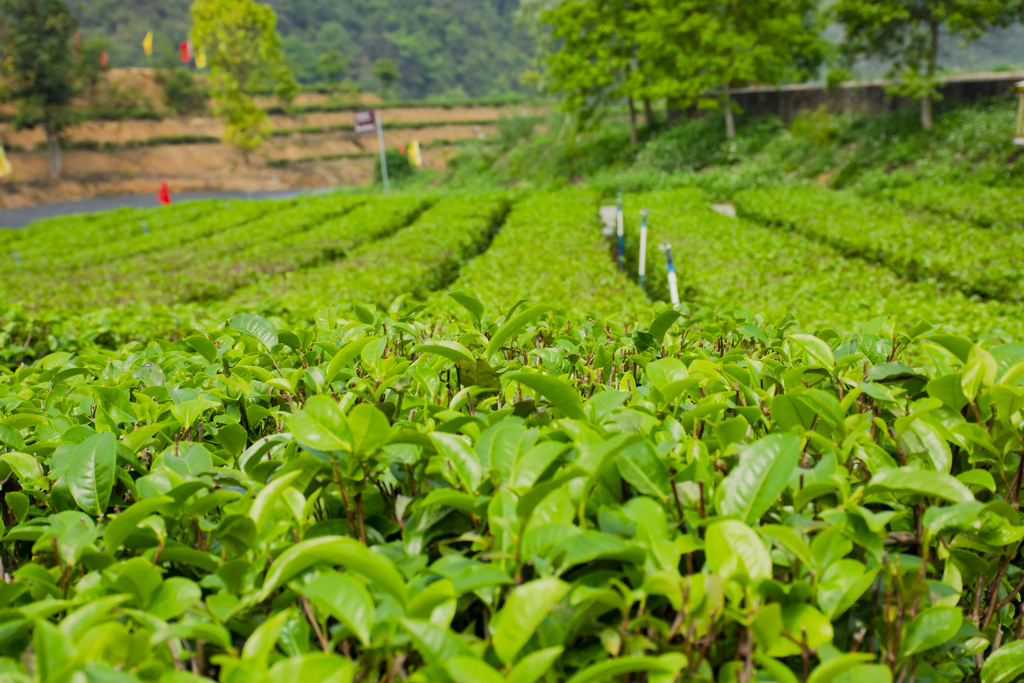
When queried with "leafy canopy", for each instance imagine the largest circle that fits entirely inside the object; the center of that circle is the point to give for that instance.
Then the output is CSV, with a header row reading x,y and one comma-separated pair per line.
x,y
244,53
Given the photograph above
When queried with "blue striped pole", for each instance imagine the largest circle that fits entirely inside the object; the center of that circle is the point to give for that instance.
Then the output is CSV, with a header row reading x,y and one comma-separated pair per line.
x,y
145,228
618,218
642,268
673,287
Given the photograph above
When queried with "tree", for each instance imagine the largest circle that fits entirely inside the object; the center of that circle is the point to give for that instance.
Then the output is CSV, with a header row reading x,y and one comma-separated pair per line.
x,y
330,67
38,65
385,71
906,34
697,47
595,63
89,68
244,53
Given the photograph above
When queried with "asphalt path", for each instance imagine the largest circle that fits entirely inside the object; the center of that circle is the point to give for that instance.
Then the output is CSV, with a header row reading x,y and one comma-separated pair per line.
x,y
20,217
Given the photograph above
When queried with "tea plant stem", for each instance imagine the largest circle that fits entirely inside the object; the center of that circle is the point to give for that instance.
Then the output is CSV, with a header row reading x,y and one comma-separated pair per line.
x,y
359,513
308,608
344,497
993,591
1010,596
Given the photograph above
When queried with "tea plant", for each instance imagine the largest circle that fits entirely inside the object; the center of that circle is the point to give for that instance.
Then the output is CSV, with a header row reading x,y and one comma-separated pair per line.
x,y
985,262
524,495
734,264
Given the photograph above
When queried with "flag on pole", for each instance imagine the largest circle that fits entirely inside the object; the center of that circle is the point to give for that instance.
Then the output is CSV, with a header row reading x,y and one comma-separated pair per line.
x,y
186,51
415,158
5,165
201,58
104,58
164,195
147,44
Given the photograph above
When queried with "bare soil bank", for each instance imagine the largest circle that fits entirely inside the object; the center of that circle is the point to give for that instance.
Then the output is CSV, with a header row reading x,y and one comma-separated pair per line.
x,y
187,168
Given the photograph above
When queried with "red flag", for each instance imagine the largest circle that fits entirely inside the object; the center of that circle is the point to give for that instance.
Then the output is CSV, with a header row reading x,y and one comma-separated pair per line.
x,y
186,51
104,58
401,149
164,195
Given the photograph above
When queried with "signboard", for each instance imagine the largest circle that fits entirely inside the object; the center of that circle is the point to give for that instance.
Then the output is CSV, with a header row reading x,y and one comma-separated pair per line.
x,y
366,121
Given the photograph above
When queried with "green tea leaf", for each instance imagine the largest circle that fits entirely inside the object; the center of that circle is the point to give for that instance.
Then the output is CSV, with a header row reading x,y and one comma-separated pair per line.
x,y
760,476
256,327
511,327
556,390
525,609
91,472
345,600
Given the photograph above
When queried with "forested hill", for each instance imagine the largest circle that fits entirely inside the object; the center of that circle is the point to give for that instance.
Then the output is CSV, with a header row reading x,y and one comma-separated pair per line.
x,y
442,47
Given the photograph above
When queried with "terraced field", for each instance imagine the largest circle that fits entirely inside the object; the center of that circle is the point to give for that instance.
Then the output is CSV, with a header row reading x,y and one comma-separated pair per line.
x,y
444,438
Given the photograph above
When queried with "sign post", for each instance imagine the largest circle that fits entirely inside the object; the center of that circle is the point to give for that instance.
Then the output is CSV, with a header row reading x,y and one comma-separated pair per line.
x,y
1018,138
367,122
618,228
642,269
673,287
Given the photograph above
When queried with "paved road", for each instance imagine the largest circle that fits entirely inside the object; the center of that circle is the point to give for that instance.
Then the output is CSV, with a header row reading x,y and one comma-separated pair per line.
x,y
18,218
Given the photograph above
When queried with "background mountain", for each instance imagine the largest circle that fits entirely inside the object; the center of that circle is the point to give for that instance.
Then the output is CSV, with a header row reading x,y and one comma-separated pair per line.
x,y
444,48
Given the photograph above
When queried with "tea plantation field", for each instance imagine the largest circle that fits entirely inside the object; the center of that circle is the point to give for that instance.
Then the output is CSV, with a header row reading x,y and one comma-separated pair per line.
x,y
442,437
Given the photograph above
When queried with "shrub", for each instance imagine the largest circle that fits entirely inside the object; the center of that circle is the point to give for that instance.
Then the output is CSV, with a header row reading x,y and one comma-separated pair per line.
x,y
399,167
182,94
513,129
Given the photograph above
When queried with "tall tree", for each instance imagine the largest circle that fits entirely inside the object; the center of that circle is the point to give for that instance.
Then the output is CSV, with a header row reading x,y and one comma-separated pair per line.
x,y
38,64
330,67
594,60
244,54
907,34
385,71
698,50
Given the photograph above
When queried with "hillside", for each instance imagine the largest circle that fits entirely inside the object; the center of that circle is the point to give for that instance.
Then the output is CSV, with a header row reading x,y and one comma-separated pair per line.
x,y
444,48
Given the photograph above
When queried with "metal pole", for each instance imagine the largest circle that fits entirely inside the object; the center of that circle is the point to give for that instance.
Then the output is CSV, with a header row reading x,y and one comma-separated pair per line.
x,y
642,269
673,287
619,230
380,144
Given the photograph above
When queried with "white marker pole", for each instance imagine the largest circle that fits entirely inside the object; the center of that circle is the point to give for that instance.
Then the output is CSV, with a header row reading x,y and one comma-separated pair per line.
x,y
642,269
618,218
380,144
673,287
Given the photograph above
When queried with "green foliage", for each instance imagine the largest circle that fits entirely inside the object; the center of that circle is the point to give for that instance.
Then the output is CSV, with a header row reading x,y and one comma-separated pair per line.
x,y
819,126
905,34
515,129
975,260
182,94
331,67
602,51
738,265
281,500
244,53
984,206
385,71
399,167
39,67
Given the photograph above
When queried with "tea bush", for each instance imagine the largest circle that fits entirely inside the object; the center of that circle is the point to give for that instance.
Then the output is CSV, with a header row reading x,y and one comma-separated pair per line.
x,y
330,469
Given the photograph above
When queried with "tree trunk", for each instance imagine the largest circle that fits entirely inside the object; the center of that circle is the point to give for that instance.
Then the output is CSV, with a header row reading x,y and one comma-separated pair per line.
x,y
53,145
927,119
730,121
632,121
648,114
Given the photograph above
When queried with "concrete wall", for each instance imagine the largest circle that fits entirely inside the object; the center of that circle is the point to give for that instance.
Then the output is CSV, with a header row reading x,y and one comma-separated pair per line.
x,y
864,97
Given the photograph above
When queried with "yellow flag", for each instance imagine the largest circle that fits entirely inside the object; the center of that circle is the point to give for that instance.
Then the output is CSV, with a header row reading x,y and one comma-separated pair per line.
x,y
201,59
5,166
147,44
415,158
